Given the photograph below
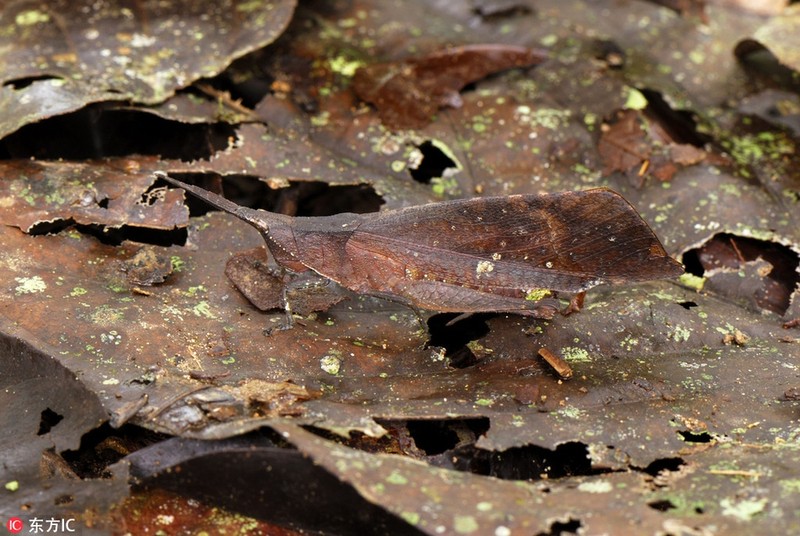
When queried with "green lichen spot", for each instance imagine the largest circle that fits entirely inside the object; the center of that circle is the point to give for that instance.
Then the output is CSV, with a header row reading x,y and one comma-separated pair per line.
x,y
573,354
681,334
692,281
78,291
478,348
697,57
582,169
396,478
549,40
549,118
115,287
635,100
752,148
230,360
320,120
203,309
444,185
398,166
29,285
194,291
177,263
250,6
484,402
411,518
536,294
629,342
12,485
31,17
484,506
344,66
479,127
464,524
744,510
791,485
599,486
106,314
731,189
330,364
571,412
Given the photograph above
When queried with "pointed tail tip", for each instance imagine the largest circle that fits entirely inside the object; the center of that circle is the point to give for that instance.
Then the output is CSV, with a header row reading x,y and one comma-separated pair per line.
x,y
671,268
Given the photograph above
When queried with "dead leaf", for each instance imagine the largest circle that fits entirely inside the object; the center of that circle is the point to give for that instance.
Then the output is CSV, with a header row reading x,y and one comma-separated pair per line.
x,y
111,193
408,93
61,55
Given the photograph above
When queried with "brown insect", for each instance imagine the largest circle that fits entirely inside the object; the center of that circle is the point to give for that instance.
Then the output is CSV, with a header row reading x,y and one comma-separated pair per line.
x,y
490,254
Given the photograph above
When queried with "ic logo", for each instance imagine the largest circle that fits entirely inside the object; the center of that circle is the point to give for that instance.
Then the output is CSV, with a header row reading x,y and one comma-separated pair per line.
x,y
15,525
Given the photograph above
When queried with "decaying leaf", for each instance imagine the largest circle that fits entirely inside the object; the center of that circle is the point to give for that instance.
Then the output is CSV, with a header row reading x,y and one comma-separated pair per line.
x,y
681,401
61,55
148,267
106,193
627,147
758,274
408,93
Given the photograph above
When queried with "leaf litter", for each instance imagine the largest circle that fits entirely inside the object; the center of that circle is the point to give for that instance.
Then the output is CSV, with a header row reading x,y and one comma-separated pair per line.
x,y
678,402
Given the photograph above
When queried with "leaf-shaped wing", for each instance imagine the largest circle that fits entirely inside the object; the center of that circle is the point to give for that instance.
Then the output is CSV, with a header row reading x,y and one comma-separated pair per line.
x,y
509,245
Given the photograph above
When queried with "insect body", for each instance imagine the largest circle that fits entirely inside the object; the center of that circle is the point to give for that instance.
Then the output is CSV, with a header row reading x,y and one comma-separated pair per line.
x,y
498,254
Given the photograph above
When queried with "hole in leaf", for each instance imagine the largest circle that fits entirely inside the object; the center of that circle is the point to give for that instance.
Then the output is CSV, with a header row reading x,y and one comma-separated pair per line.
x,y
679,124
50,227
762,66
664,464
687,304
48,420
310,198
432,163
22,83
96,131
732,252
695,437
436,436
246,92
530,462
495,12
558,528
116,236
610,52
63,499
661,506
455,338
104,446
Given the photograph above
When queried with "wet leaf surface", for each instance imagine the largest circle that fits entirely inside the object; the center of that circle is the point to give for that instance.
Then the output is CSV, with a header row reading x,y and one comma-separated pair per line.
x,y
60,56
112,194
118,304
407,94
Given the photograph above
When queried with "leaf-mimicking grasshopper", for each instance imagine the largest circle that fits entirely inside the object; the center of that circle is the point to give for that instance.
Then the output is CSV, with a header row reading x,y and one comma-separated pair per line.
x,y
489,254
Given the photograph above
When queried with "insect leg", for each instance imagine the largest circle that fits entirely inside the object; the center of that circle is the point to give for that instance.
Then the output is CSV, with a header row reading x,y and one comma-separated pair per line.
x,y
288,319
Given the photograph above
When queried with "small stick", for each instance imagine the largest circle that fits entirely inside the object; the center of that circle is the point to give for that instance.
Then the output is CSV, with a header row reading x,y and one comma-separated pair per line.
x,y
561,367
733,472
